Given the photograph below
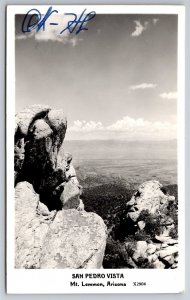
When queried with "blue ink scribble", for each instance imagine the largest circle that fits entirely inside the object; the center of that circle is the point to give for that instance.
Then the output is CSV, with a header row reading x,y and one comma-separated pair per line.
x,y
53,23
72,25
34,20
28,25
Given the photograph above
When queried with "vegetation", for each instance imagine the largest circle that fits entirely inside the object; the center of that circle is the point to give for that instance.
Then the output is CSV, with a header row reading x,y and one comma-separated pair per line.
x,y
109,201
116,257
153,224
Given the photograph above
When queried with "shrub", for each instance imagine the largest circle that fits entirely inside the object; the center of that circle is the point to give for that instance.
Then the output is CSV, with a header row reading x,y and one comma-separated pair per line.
x,y
153,223
130,248
143,263
108,199
174,233
116,256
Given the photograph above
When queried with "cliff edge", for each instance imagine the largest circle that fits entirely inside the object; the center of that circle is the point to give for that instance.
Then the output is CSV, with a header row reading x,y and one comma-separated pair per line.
x,y
52,229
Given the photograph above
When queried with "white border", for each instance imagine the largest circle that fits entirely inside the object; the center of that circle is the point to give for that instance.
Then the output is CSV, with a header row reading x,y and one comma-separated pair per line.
x,y
57,281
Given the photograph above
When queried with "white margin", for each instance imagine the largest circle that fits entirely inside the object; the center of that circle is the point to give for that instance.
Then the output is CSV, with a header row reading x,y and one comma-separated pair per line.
x,y
57,281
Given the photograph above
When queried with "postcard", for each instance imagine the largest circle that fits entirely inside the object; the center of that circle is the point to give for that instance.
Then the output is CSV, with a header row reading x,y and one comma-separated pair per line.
x,y
95,149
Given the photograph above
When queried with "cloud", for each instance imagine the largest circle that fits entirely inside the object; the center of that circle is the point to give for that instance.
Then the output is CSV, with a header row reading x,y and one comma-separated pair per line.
x,y
85,126
170,95
155,21
21,36
74,41
138,125
139,28
52,32
143,86
128,124
126,128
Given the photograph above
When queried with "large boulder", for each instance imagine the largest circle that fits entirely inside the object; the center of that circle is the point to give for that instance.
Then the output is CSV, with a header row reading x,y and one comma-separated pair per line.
x,y
40,158
153,254
63,239
75,240
148,213
41,165
70,196
27,116
141,248
52,229
150,196
30,229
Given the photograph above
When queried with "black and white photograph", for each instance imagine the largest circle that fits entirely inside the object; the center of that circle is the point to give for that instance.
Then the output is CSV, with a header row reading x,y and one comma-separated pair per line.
x,y
98,144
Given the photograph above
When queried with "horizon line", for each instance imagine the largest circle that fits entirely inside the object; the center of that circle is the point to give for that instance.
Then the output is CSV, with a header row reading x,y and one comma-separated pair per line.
x,y
120,140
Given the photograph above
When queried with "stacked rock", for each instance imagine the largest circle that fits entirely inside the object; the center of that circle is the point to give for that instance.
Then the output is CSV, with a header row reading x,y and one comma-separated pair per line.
x,y
52,228
153,254
160,250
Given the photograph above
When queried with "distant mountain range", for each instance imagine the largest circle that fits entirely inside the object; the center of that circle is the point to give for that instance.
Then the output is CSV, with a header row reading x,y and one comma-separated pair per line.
x,y
119,149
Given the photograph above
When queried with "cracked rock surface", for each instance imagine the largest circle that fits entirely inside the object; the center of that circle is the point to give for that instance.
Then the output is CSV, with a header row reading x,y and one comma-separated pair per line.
x,y
30,228
148,210
149,196
52,229
157,254
74,240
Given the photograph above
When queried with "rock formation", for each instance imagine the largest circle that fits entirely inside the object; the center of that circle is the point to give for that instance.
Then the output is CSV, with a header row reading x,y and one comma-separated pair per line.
x,y
31,226
52,228
74,240
148,213
150,196
154,253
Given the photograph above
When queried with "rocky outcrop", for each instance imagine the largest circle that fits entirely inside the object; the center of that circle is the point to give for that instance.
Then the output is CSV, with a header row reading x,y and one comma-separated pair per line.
x,y
30,227
40,158
63,239
150,196
148,213
74,240
150,199
154,254
52,228
22,123
41,135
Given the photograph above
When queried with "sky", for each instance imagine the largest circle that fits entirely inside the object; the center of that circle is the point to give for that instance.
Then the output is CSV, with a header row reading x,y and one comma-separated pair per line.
x,y
116,80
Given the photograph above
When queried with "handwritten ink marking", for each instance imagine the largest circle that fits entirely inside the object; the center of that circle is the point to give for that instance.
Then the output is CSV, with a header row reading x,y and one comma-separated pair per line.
x,y
53,24
34,20
28,26
72,25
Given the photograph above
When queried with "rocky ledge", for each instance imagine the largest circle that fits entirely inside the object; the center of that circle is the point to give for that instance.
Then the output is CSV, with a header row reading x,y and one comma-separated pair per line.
x,y
149,212
52,229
